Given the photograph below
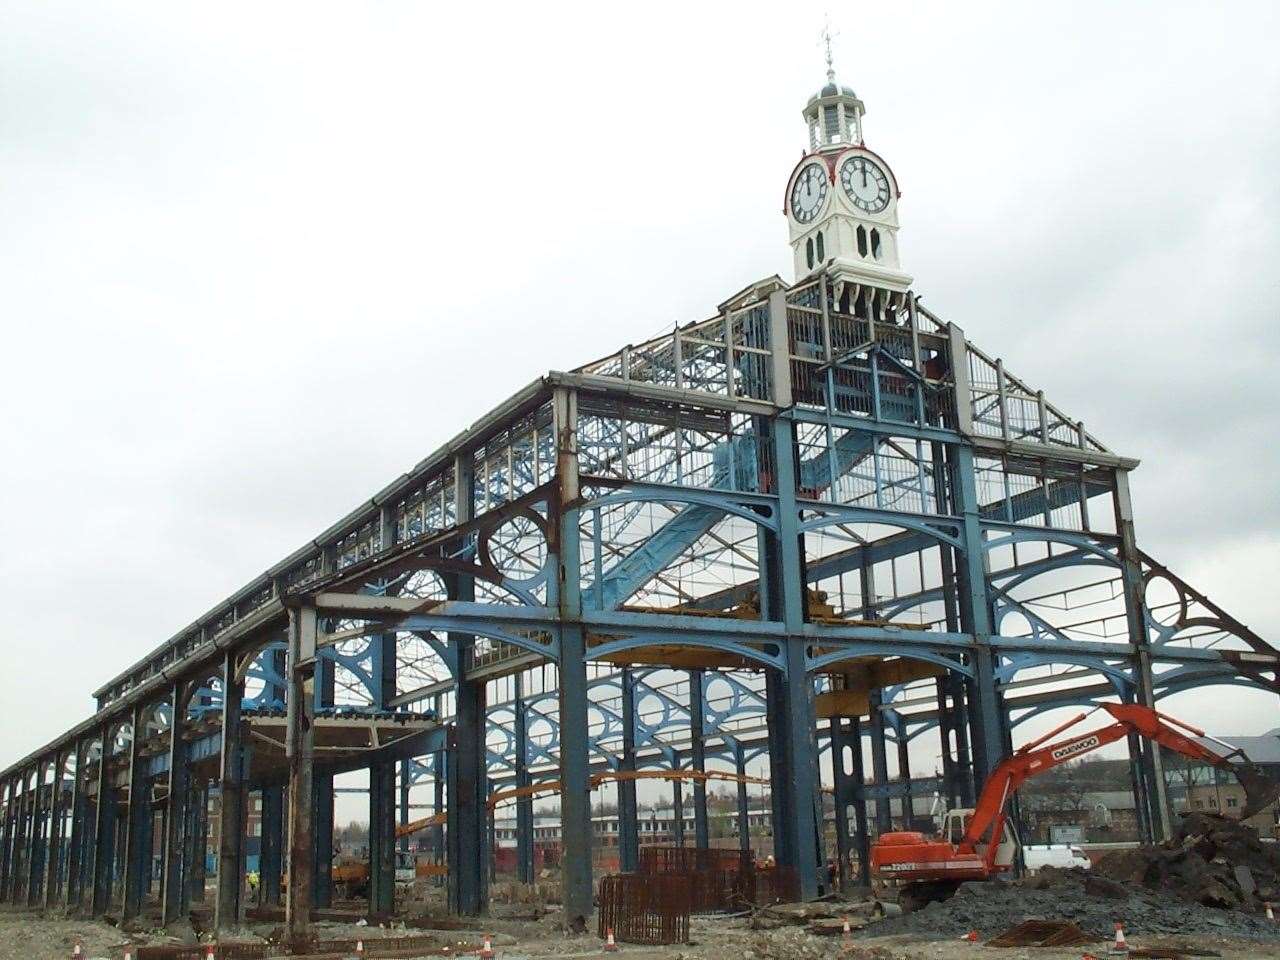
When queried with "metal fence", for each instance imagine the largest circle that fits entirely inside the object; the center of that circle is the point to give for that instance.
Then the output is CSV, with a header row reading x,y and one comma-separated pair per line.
x,y
647,909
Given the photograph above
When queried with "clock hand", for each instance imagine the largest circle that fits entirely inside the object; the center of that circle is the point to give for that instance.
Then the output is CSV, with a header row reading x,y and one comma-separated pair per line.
x,y
864,174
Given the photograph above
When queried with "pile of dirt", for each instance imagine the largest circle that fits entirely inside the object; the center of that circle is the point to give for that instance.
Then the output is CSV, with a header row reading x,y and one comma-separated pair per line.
x,y
1094,904
1213,860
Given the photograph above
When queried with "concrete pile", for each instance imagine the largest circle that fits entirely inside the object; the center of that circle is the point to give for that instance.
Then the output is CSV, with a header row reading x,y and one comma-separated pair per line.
x,y
1213,860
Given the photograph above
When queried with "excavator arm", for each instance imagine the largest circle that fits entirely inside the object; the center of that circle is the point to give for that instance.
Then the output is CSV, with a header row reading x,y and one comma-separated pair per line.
x,y
1036,757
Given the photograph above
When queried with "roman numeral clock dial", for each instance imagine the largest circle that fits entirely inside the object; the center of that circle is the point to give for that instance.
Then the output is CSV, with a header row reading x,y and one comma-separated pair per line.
x,y
865,184
809,193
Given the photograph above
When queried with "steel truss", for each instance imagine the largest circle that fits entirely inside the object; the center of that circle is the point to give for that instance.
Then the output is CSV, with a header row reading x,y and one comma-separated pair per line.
x,y
820,521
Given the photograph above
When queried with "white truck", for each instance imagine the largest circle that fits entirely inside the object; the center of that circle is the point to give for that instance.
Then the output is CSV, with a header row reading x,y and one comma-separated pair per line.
x,y
1062,855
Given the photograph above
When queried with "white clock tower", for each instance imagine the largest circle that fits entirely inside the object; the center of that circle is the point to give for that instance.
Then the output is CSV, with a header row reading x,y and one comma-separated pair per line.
x,y
842,199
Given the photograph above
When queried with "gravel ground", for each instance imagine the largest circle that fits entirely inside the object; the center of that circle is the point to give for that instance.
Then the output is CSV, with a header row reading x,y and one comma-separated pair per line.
x,y
1093,905
26,936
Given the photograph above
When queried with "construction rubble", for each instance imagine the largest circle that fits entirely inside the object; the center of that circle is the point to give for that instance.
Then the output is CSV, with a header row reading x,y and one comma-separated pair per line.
x,y
1213,860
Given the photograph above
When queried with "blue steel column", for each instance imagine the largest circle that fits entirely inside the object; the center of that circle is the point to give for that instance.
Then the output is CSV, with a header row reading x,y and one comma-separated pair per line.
x,y
321,780
841,788
36,839
382,791
524,805
300,754
628,810
744,810
466,783
975,620
271,861
677,806
971,581
575,800
231,802
104,831
804,805
698,751
1135,612
75,847
53,856
136,834
6,839
879,762
196,842
859,793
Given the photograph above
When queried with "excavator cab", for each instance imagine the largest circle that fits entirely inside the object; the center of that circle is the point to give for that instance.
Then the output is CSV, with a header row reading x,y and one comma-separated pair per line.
x,y
956,822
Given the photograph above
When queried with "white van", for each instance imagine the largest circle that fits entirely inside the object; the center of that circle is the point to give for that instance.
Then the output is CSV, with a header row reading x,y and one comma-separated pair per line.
x,y
1062,855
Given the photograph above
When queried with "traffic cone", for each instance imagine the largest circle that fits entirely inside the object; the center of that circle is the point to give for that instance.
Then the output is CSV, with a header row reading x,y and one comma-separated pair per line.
x,y
128,953
846,932
359,950
610,945
486,951
77,951
1270,915
1119,947
970,937
208,952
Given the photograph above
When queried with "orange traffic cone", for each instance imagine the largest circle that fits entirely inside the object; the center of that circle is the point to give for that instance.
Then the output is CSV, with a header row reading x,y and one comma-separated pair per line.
x,y
846,932
208,952
1270,915
970,937
1119,947
359,950
77,951
610,945
486,951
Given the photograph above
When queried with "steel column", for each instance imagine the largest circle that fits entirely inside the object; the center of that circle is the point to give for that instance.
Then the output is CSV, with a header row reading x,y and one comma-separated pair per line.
x,y
1135,613
524,805
575,801
858,794
175,821
139,808
382,837
272,857
467,777
53,858
879,762
300,753
104,831
975,618
841,789
698,754
75,848
744,809
677,807
231,802
628,809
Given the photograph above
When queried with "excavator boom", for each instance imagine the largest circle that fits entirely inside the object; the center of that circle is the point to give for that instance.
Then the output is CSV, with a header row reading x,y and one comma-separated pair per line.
x,y
913,856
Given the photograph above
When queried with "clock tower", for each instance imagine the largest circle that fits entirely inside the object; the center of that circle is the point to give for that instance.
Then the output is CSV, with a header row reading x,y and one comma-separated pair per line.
x,y
842,199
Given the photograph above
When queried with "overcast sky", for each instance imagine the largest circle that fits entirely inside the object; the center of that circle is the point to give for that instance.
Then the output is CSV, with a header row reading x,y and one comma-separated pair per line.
x,y
258,259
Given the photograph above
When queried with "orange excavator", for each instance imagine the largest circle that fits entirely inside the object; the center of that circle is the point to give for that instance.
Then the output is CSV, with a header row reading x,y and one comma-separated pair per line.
x,y
979,844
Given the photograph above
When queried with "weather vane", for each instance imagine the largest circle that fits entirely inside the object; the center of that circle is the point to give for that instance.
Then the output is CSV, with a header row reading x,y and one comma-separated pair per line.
x,y
827,36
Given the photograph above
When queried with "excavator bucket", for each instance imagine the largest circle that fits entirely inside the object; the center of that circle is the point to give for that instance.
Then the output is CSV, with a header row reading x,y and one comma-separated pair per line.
x,y
1260,791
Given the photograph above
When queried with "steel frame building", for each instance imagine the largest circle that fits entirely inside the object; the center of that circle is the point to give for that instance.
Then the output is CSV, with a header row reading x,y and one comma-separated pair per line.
x,y
842,522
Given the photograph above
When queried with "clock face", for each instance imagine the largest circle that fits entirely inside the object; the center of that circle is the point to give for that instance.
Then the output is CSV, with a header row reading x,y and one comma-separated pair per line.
x,y
865,184
809,193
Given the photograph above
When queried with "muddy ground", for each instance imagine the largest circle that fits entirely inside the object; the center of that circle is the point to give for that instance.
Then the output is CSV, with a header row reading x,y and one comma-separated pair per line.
x,y
30,936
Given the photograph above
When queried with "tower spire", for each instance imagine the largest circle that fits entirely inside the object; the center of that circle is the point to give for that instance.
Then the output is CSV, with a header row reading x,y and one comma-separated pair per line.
x,y
827,36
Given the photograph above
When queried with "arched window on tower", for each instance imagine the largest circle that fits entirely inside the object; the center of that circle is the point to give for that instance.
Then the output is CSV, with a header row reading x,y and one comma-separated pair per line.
x,y
808,252
875,243
821,254
862,241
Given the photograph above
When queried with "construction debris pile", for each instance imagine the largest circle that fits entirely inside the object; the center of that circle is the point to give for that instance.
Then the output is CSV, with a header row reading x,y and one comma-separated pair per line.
x,y
1213,860
1213,878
